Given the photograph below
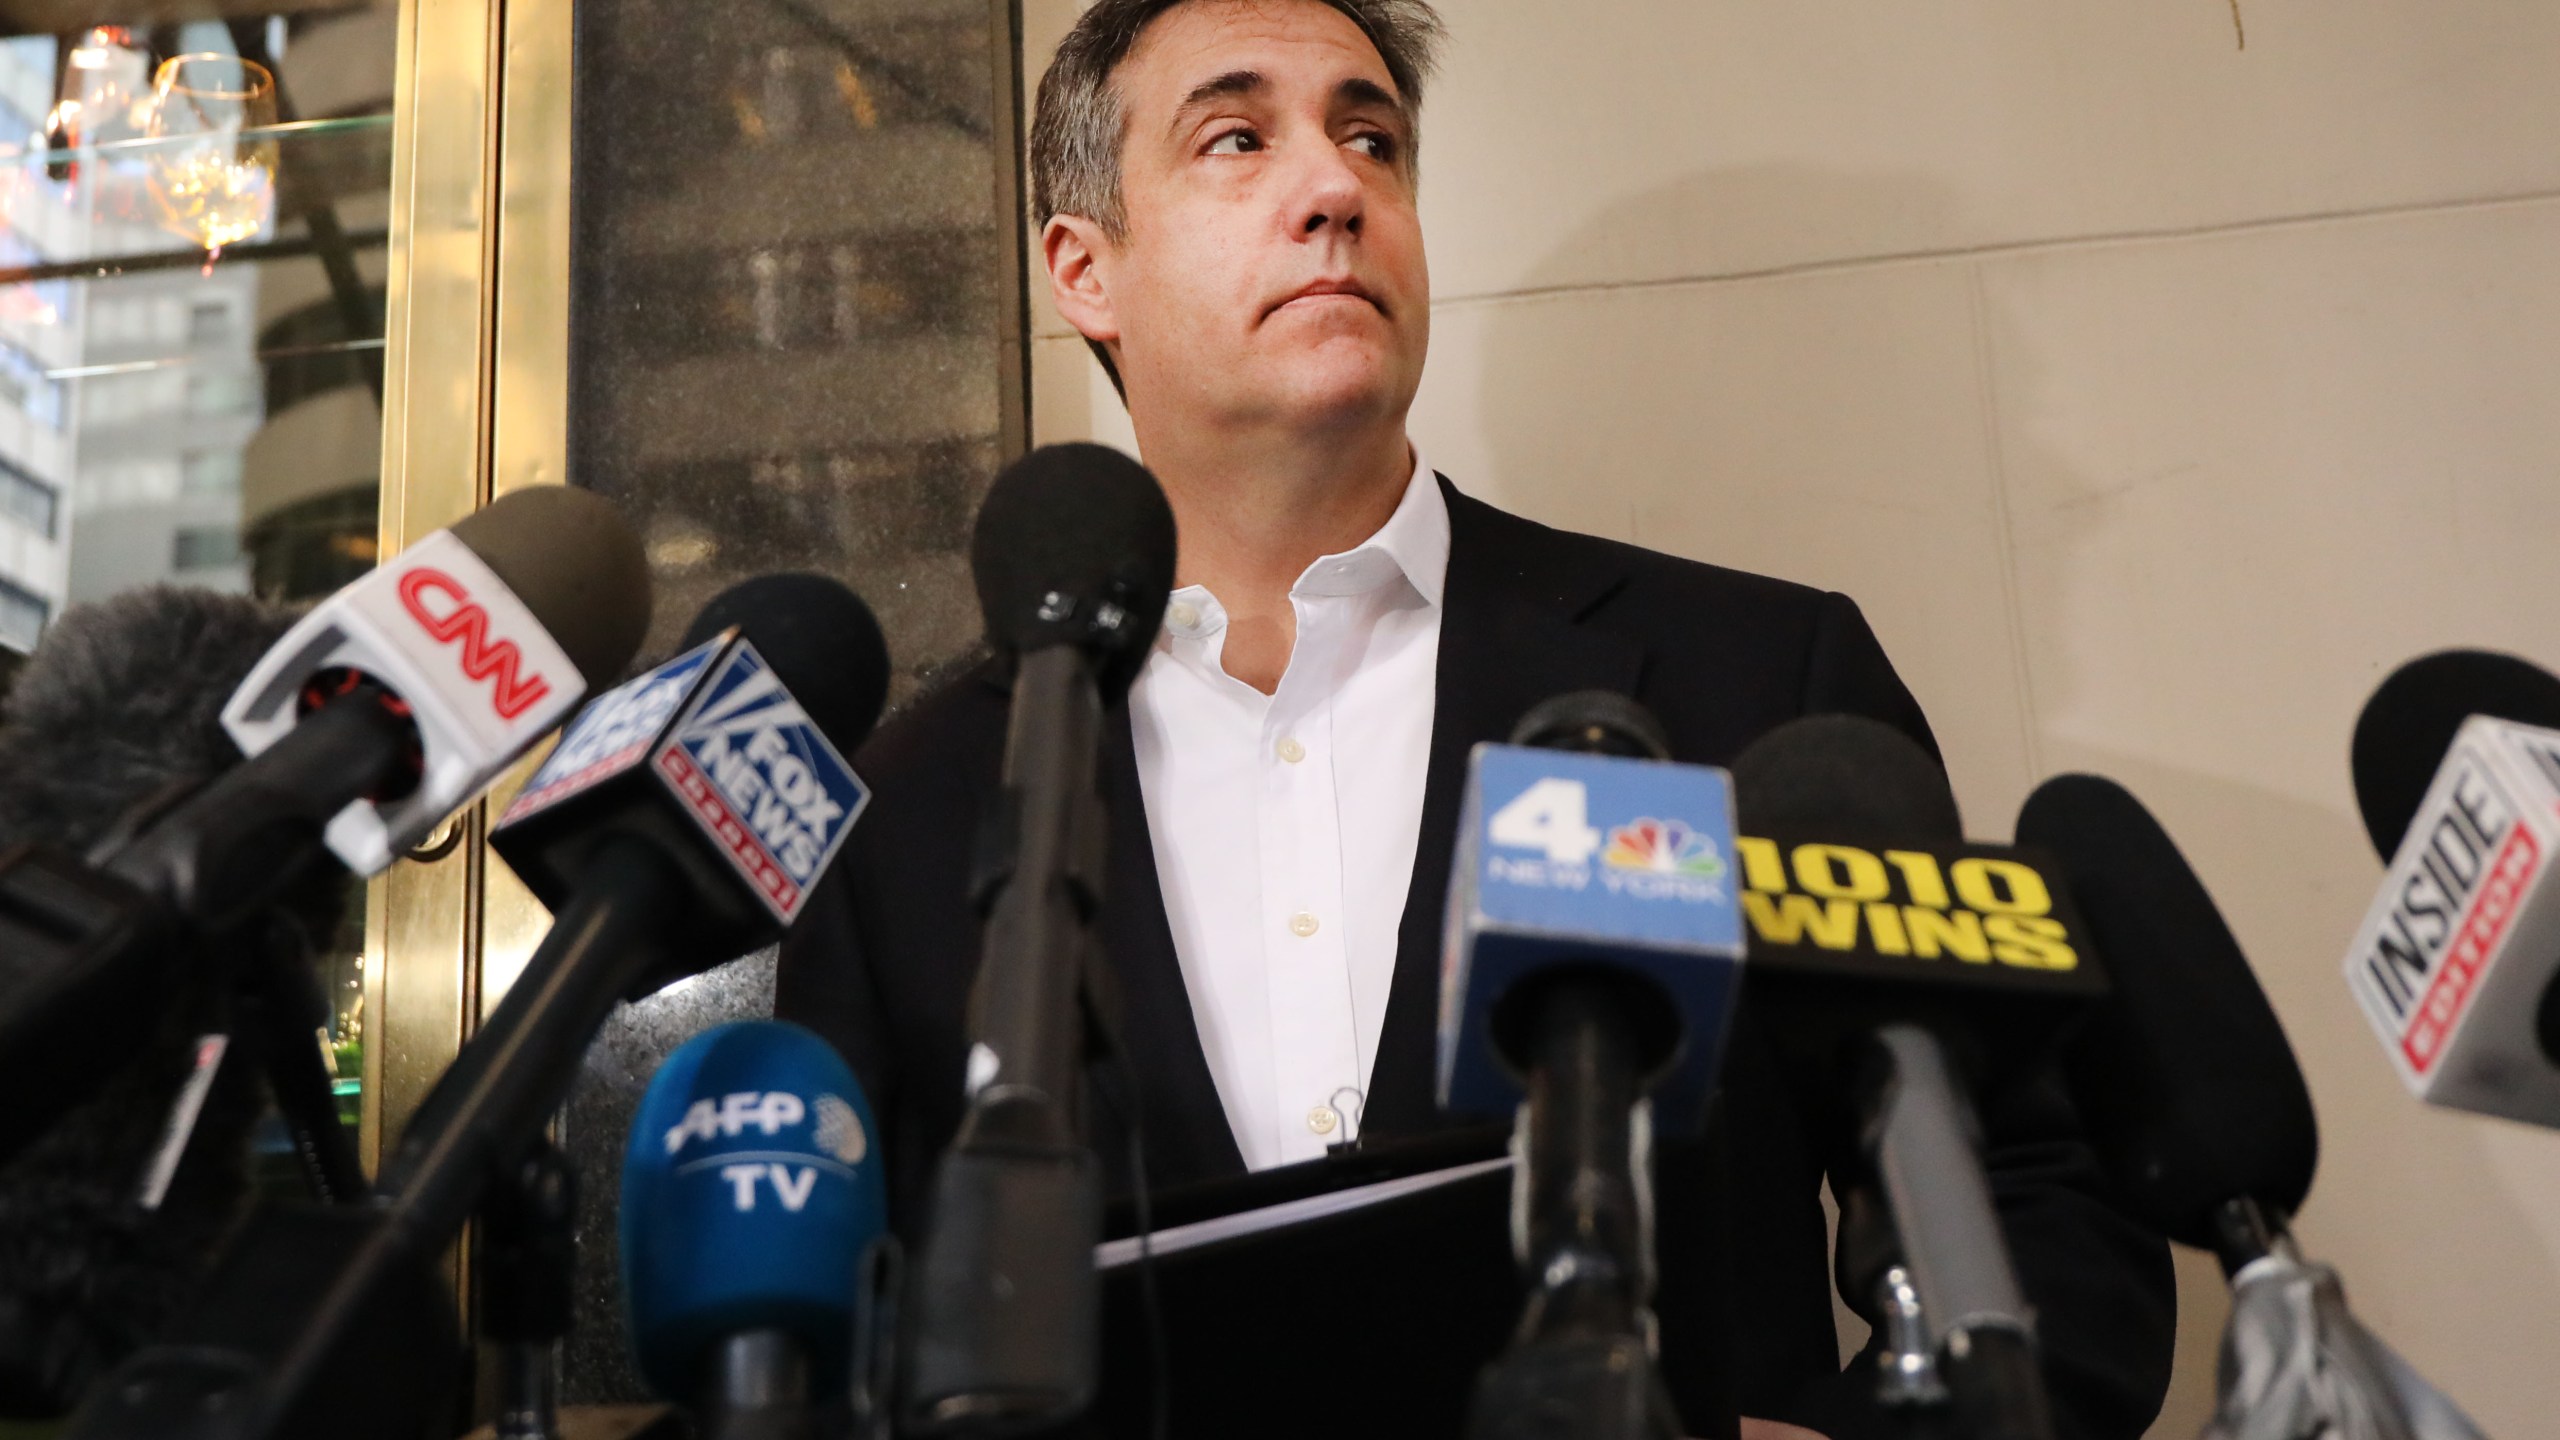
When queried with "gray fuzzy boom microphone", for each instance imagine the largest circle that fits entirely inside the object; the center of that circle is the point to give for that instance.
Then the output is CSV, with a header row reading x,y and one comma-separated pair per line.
x,y
120,705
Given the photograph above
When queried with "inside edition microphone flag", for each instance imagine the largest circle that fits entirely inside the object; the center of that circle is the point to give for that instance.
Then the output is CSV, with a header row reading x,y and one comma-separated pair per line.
x,y
2454,962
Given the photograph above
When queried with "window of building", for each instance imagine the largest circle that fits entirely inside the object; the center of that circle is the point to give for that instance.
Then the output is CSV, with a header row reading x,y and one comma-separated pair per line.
x,y
208,320
23,386
206,547
221,392
209,473
23,614
28,500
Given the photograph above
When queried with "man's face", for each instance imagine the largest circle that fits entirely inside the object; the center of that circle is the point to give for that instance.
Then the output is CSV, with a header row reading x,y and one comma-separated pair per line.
x,y
1272,267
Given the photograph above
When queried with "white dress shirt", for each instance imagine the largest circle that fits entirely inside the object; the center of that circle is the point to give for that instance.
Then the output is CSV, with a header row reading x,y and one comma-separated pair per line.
x,y
1284,825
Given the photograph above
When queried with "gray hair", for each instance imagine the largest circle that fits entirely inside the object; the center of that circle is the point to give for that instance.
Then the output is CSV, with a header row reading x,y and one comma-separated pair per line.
x,y
1078,125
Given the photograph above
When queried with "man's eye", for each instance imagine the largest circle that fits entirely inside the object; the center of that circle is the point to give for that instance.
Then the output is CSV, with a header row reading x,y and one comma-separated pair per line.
x,y
1377,144
1235,142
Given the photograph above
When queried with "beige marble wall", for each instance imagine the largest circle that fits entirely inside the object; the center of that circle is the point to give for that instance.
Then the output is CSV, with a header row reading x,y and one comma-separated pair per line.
x,y
2155,396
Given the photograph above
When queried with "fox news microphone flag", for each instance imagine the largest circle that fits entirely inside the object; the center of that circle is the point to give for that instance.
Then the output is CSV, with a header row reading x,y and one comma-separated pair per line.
x,y
751,1192
2455,962
712,755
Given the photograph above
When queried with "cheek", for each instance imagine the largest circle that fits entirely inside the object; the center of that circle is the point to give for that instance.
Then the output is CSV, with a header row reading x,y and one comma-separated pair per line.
x,y
1396,235
1195,276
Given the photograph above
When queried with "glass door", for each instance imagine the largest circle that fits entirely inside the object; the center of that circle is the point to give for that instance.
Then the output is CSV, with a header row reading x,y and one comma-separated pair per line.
x,y
193,254
795,341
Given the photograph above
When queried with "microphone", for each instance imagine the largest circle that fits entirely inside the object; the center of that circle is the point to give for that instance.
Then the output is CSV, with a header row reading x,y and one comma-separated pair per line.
x,y
365,724
2404,731
2457,772
641,901
1888,954
751,1198
2195,1104
1073,558
2183,1075
716,765
482,637
1594,955
119,703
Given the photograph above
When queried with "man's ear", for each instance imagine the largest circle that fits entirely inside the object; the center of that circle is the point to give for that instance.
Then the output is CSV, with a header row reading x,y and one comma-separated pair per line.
x,y
1077,252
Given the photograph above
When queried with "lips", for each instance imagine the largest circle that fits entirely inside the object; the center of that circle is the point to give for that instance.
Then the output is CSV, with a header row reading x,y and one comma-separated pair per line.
x,y
1321,288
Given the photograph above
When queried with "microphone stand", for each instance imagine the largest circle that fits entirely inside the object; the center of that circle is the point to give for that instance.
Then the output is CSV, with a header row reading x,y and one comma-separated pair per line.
x,y
1006,1300
95,934
528,1264
1581,1365
332,1320
283,1014
1960,1339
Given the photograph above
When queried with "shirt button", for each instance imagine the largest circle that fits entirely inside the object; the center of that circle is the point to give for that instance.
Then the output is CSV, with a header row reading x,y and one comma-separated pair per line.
x,y
1302,924
1321,1120
1292,751
1184,615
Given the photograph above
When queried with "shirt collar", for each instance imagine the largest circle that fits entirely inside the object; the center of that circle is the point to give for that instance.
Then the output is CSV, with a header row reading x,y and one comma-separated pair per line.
x,y
1413,543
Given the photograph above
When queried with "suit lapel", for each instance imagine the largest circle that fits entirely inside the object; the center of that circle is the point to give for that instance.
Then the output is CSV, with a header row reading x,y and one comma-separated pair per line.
x,y
1509,637
1187,1133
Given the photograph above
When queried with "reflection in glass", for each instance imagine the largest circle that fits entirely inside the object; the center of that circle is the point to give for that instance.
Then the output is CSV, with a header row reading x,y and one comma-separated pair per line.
x,y
798,349
214,168
192,263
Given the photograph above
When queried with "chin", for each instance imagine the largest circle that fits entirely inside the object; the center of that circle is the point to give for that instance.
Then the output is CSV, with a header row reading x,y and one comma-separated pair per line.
x,y
1337,388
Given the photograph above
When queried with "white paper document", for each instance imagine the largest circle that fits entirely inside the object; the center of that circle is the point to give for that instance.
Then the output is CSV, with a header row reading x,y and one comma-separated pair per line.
x,y
1112,1254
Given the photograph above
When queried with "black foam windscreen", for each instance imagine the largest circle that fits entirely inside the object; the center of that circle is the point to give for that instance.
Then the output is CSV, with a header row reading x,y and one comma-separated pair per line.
x,y
1075,546
2183,1074
820,639
2406,728
1601,722
1843,775
569,556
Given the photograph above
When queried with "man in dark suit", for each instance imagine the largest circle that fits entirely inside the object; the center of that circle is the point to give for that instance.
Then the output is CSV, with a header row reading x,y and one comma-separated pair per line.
x,y
1227,193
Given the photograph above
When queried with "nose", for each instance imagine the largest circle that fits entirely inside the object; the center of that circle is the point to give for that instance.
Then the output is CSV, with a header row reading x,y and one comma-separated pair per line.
x,y
1329,195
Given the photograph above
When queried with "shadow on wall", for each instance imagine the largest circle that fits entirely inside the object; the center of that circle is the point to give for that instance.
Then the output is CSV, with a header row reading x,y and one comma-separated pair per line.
x,y
2293,878
1831,425
1825,425
2231,619
1613,411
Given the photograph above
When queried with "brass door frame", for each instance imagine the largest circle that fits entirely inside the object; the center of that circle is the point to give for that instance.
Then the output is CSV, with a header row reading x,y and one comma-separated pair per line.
x,y
475,394
475,404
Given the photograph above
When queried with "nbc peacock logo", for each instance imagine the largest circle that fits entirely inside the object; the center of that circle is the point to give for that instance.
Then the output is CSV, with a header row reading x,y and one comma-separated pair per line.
x,y
1663,847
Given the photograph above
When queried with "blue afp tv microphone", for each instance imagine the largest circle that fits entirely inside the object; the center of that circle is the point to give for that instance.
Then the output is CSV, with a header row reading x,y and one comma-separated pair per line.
x,y
1593,955
751,1194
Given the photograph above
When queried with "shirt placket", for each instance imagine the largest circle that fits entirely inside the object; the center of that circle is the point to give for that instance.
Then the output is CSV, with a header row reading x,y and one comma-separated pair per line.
x,y
1305,934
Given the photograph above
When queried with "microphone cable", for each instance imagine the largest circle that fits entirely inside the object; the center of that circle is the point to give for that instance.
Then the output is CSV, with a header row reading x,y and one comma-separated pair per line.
x,y
1150,1302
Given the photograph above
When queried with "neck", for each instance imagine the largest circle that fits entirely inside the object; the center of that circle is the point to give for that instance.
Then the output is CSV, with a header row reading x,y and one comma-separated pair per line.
x,y
1253,515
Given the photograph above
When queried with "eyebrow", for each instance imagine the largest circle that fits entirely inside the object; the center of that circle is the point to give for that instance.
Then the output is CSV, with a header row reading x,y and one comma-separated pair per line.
x,y
1357,90
1224,87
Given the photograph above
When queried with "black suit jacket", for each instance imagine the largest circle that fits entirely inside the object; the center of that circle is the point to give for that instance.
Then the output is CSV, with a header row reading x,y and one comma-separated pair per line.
x,y
882,964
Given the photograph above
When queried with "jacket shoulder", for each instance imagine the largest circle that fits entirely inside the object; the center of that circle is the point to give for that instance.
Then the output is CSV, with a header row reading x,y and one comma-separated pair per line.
x,y
1609,572
1729,654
